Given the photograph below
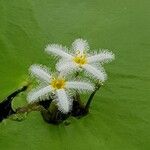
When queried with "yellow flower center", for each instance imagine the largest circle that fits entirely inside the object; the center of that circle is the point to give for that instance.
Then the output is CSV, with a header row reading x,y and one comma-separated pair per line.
x,y
58,83
80,59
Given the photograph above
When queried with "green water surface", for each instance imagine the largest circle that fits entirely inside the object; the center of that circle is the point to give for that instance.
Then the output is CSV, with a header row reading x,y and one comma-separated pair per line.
x,y
120,115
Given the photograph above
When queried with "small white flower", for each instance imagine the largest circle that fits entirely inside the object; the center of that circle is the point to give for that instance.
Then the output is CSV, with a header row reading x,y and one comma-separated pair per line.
x,y
81,59
57,85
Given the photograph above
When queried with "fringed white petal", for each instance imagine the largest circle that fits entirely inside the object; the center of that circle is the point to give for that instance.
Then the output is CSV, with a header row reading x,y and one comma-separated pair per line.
x,y
95,72
80,45
58,50
63,101
80,85
65,67
102,57
38,93
40,72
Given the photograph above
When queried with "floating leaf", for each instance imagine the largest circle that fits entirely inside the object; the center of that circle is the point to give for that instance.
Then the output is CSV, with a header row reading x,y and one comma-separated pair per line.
x,y
119,118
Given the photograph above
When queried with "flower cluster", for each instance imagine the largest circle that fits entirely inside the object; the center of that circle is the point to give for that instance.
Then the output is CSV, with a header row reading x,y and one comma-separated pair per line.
x,y
72,61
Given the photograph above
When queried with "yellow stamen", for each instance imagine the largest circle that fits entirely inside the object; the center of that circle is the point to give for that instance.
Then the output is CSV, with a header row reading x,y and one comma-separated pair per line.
x,y
58,83
80,59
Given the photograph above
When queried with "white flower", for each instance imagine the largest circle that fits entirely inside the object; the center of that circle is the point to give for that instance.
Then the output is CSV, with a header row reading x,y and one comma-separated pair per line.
x,y
57,85
81,59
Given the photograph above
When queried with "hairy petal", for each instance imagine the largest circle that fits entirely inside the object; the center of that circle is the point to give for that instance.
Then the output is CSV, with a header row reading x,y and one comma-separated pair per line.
x,y
95,72
63,101
80,85
102,57
80,45
58,50
66,67
38,93
40,72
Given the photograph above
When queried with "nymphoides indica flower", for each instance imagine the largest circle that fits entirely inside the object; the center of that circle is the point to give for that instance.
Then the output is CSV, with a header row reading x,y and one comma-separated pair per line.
x,y
56,84
81,59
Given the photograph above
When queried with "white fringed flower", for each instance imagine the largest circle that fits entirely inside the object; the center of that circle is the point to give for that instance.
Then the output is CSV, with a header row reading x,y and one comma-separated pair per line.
x,y
81,59
56,84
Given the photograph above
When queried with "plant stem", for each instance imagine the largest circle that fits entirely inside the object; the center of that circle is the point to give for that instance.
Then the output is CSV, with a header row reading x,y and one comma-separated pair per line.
x,y
87,106
53,115
30,107
5,106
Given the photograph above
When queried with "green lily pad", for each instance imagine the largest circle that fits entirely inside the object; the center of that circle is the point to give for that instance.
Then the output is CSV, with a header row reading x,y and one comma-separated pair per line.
x,y
119,118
